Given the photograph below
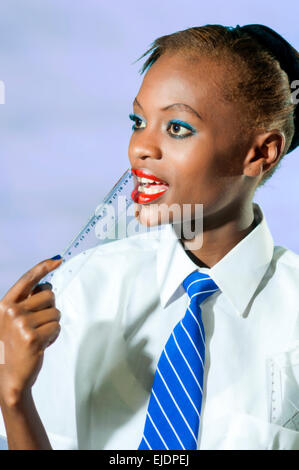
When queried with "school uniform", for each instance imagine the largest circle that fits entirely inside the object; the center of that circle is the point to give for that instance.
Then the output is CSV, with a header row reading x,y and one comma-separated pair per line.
x,y
118,312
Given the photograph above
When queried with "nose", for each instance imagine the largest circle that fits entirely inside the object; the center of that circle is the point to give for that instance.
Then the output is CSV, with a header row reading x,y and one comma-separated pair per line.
x,y
144,145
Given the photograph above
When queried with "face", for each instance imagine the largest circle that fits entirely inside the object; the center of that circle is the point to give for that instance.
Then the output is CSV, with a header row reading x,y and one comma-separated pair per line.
x,y
186,135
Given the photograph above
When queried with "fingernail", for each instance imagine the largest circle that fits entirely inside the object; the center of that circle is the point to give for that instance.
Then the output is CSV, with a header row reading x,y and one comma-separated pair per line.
x,y
56,257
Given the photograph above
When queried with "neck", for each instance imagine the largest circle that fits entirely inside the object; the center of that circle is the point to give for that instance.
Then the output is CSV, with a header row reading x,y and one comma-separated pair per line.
x,y
221,232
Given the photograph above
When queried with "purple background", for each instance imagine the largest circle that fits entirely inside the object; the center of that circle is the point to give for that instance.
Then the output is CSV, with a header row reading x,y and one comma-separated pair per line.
x,y
70,82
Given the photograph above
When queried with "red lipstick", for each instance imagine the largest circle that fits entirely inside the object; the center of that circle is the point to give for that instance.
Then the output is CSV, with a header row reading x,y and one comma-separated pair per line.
x,y
148,187
144,174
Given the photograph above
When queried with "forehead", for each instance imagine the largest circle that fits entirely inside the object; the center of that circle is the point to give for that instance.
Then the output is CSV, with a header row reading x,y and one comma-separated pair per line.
x,y
194,81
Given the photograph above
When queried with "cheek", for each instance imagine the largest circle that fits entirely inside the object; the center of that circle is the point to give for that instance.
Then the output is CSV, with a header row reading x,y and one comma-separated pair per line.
x,y
194,174
202,177
194,155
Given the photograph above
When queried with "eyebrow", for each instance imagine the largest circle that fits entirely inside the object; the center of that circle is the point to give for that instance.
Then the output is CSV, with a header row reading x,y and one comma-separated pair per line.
x,y
183,106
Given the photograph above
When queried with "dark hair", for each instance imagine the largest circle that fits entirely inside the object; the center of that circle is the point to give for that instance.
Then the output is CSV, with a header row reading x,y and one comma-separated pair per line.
x,y
265,65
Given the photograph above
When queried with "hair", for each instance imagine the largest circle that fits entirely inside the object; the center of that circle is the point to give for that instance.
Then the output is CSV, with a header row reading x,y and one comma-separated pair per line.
x,y
264,68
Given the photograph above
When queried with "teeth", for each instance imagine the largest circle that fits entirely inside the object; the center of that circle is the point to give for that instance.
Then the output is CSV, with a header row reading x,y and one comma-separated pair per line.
x,y
144,180
151,190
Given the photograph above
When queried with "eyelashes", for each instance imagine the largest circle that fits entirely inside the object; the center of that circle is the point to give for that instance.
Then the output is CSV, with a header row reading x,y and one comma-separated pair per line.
x,y
135,118
174,124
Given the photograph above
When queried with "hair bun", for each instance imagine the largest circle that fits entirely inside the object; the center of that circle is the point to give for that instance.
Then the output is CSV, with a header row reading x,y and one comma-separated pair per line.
x,y
286,55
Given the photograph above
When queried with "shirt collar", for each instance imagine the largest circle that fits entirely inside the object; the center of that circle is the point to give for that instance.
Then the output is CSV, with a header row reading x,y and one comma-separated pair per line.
x,y
237,274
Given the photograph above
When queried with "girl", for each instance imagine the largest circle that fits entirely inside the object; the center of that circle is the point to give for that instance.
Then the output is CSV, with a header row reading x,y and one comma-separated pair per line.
x,y
167,343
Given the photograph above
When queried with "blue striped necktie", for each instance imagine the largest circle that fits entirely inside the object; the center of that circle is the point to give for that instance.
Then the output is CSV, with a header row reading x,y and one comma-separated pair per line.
x,y
173,415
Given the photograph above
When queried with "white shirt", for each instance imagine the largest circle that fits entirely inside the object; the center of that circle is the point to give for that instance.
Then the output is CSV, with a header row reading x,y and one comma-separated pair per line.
x,y
117,314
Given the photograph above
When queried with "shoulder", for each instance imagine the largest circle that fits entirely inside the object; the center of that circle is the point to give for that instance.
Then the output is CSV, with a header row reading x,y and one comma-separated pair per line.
x,y
97,283
287,261
284,274
281,297
107,262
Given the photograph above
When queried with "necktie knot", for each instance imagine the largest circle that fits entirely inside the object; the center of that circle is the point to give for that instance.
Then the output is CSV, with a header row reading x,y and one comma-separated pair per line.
x,y
199,286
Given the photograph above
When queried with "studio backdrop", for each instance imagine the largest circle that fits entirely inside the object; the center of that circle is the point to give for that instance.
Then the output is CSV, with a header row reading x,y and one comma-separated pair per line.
x,y
67,71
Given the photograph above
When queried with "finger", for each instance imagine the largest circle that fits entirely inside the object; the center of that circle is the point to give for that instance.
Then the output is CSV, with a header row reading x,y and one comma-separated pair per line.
x,y
47,334
41,287
39,301
37,319
22,288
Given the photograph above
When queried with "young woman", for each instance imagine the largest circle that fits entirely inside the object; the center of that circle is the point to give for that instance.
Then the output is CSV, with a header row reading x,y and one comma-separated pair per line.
x,y
139,361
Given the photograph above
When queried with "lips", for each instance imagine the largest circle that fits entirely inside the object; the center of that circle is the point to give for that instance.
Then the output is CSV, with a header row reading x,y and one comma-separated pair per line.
x,y
145,174
148,187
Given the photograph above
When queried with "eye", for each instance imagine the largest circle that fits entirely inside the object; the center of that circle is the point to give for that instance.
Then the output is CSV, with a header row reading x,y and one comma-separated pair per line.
x,y
180,129
138,121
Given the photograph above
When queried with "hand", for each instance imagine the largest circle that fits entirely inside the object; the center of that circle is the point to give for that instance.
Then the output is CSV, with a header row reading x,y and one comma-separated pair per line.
x,y
29,323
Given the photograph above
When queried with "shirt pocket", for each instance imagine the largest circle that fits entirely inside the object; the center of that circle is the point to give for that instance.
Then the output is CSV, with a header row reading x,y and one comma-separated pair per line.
x,y
283,388
241,431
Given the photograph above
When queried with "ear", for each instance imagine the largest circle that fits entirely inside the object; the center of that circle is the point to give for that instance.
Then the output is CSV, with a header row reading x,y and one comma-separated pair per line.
x,y
264,153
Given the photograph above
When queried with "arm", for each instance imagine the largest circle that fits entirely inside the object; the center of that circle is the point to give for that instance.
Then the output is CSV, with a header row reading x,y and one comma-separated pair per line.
x,y
23,425
29,323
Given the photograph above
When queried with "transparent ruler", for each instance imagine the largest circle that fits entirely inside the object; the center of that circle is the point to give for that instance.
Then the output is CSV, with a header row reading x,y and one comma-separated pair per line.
x,y
103,224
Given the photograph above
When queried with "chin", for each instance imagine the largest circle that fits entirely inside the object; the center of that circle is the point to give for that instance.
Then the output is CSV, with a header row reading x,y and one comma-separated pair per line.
x,y
148,215
151,215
